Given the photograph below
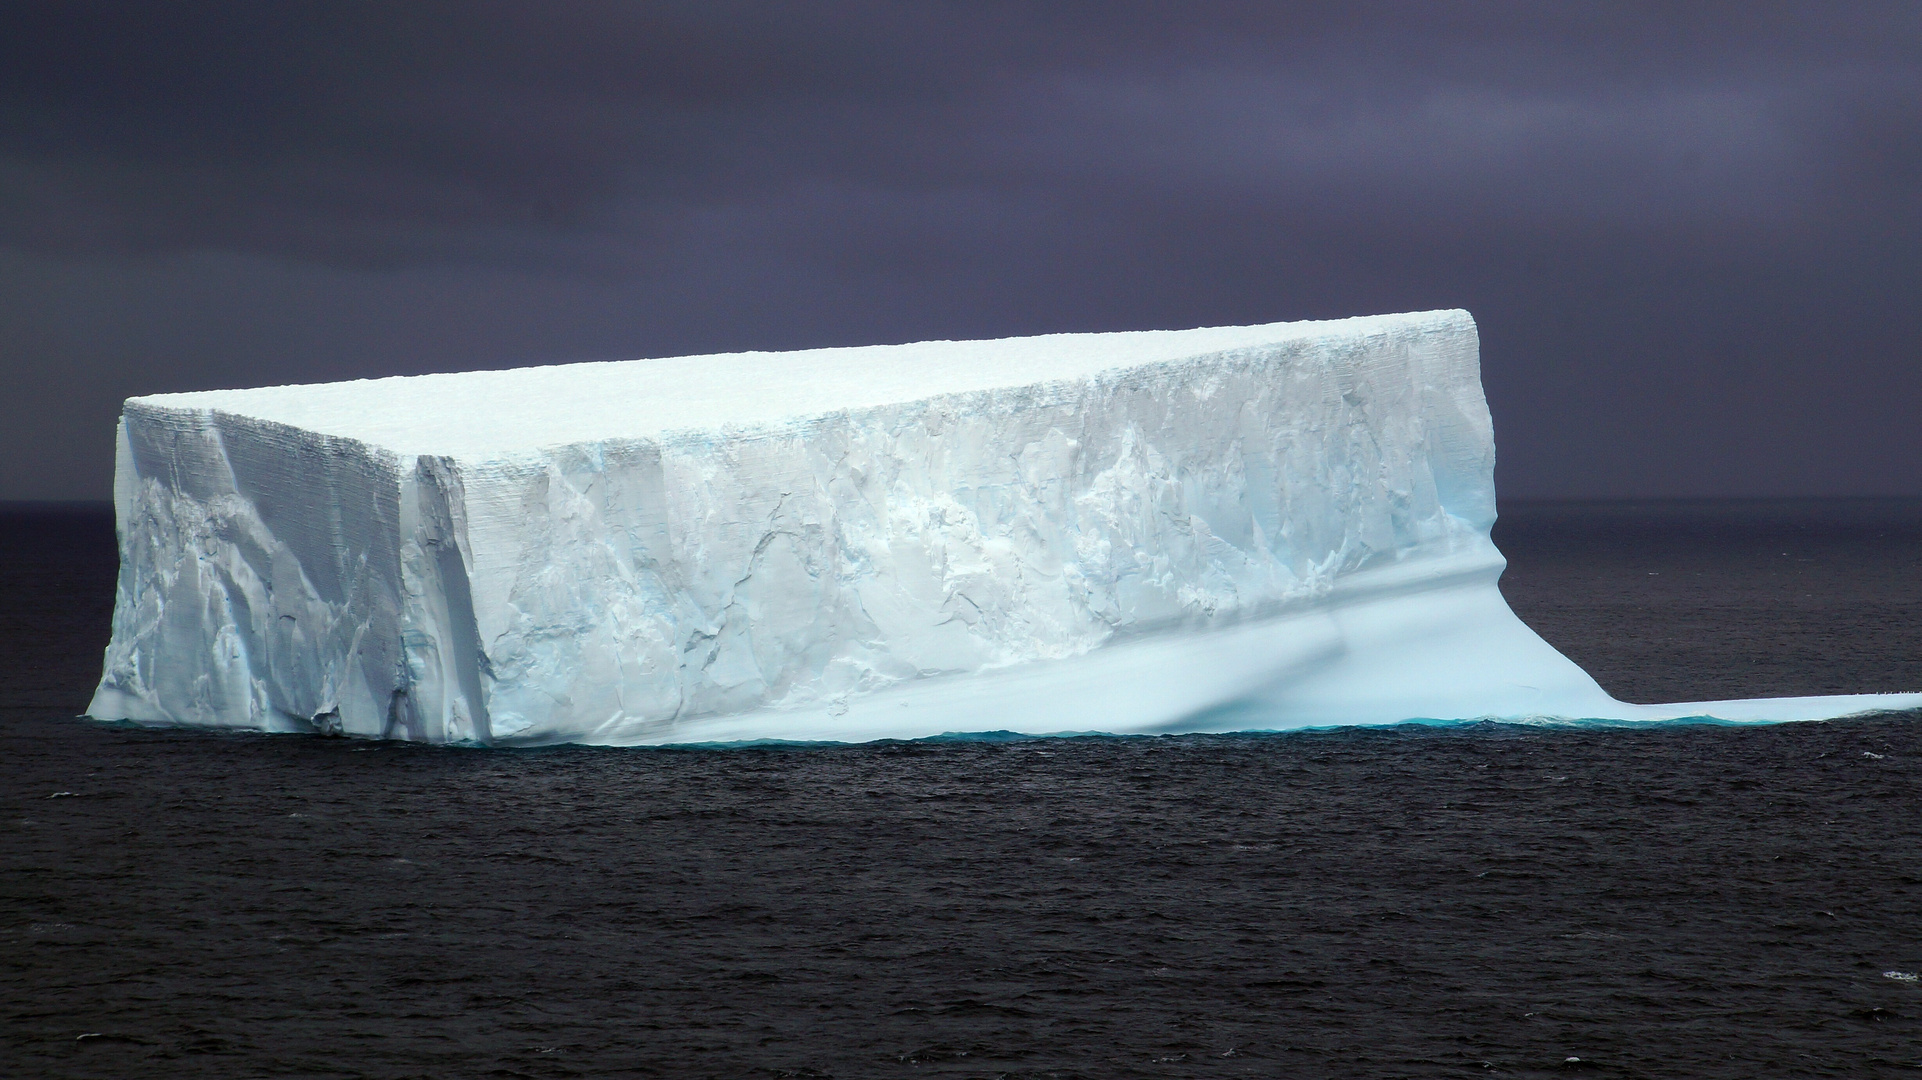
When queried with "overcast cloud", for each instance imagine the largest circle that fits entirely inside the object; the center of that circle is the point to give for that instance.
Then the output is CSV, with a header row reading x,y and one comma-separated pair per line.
x,y
1689,232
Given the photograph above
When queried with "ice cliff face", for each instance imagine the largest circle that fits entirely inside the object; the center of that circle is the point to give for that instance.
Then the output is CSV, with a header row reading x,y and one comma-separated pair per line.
x,y
258,576
1112,532
642,582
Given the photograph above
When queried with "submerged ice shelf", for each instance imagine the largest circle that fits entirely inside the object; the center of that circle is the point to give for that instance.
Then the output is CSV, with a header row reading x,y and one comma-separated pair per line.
x,y
1128,532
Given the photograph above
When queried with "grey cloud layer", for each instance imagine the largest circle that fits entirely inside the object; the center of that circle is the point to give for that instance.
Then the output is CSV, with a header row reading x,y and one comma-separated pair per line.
x,y
394,133
1691,232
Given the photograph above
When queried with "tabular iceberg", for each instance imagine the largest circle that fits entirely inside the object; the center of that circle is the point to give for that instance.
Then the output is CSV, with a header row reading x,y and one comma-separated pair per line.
x,y
1266,526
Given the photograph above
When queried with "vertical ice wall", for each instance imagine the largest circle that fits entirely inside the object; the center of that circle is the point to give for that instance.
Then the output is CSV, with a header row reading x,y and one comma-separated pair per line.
x,y
259,576
630,585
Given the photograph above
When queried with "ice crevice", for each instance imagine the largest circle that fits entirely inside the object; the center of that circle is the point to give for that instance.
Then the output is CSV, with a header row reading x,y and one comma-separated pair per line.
x,y
1242,527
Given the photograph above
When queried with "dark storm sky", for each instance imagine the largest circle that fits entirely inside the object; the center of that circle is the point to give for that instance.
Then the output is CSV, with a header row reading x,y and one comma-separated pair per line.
x,y
1691,233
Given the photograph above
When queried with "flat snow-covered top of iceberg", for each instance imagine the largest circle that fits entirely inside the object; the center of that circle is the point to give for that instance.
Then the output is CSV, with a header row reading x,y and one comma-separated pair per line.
x,y
487,412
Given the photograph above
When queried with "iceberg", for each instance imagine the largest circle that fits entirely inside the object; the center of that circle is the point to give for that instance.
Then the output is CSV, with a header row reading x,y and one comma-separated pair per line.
x,y
1216,529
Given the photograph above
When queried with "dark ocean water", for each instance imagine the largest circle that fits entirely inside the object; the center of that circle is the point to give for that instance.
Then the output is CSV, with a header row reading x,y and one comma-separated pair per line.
x,y
1696,901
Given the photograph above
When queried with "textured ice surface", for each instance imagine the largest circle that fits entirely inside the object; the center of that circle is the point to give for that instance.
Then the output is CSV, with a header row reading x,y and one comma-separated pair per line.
x,y
1266,526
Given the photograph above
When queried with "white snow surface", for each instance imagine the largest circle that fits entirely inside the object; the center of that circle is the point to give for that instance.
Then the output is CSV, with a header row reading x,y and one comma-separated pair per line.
x,y
1219,529
483,413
